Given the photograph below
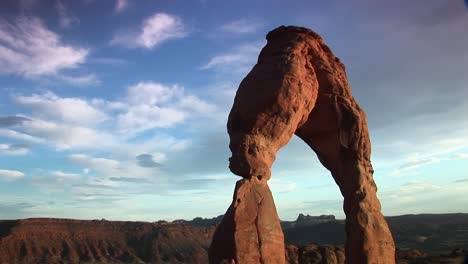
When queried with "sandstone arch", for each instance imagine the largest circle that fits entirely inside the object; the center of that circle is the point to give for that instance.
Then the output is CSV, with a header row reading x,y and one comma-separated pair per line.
x,y
298,87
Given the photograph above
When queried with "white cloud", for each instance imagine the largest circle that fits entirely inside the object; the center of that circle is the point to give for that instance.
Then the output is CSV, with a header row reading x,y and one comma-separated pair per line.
x,y
101,165
81,80
69,110
155,30
415,164
144,117
151,93
120,5
71,122
14,149
106,168
65,176
242,26
159,28
459,156
11,121
240,60
11,174
65,136
154,105
29,49
108,61
66,19
8,133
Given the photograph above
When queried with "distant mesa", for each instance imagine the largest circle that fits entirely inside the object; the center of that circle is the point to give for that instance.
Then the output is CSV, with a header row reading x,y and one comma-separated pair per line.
x,y
316,219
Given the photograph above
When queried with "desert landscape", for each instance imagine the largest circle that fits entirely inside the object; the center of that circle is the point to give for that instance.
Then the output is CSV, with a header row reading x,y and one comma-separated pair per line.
x,y
123,119
310,239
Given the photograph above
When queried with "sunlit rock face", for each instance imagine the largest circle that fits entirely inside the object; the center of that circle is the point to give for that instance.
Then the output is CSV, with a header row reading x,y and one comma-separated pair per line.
x,y
298,87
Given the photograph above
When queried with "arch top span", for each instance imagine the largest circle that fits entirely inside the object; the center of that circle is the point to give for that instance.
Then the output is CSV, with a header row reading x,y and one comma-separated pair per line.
x,y
298,86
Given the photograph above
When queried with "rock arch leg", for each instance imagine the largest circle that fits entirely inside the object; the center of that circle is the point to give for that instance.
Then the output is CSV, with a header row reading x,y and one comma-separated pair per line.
x,y
343,147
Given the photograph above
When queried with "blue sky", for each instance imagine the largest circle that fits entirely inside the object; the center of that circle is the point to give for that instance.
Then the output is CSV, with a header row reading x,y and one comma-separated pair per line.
x,y
117,109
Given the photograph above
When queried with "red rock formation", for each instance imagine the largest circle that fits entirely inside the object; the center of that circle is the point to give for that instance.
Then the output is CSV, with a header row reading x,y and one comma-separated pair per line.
x,y
250,231
79,241
299,87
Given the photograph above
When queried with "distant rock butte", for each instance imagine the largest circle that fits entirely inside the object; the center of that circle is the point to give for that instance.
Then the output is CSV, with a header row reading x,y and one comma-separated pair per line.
x,y
318,219
298,87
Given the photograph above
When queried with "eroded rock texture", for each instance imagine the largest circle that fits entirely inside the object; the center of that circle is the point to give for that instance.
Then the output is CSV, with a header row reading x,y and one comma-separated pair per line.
x,y
250,231
299,87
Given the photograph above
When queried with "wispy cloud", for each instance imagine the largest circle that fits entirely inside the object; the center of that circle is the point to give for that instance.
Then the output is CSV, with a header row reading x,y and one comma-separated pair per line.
x,y
29,49
14,149
239,60
62,174
422,197
418,163
8,121
108,61
154,105
128,179
69,110
411,165
120,5
461,181
8,133
66,19
112,171
147,161
155,30
11,174
69,136
81,81
83,123
242,26
459,155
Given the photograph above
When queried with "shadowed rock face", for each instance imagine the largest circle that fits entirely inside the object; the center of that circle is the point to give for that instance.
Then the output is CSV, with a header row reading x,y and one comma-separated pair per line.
x,y
299,87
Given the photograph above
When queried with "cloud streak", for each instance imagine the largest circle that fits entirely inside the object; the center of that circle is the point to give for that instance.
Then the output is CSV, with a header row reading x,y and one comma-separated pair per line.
x,y
9,121
11,174
147,161
240,59
66,20
242,26
120,5
14,149
28,48
154,31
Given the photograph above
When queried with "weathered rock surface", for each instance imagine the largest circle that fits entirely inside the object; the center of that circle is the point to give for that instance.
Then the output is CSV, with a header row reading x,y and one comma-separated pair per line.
x,y
78,241
299,87
250,231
